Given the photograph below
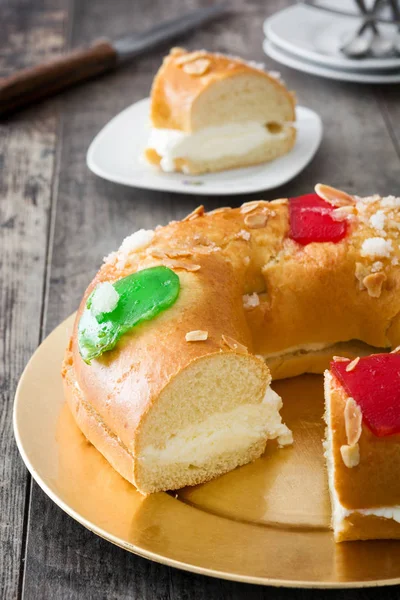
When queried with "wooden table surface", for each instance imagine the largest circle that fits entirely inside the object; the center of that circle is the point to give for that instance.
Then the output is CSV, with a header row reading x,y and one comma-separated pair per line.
x,y
58,220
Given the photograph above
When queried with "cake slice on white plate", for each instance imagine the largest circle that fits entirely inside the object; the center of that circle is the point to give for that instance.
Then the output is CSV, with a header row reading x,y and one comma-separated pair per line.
x,y
362,446
211,112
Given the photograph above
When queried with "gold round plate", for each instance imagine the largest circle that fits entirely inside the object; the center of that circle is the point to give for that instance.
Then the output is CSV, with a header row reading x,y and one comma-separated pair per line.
x,y
265,523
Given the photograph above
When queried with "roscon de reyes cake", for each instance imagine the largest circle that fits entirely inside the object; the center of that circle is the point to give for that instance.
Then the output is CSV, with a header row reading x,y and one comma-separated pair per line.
x,y
169,366
177,339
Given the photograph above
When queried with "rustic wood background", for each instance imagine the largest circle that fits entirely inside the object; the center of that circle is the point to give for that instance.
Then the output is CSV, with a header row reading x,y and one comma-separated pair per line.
x,y
58,220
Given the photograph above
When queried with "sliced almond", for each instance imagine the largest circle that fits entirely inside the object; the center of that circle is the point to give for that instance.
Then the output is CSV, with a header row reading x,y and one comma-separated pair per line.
x,y
176,264
198,335
340,359
216,211
352,365
197,212
280,202
197,67
396,350
176,51
178,253
249,207
350,455
256,221
361,273
233,344
343,213
157,253
373,283
207,249
333,196
189,57
352,421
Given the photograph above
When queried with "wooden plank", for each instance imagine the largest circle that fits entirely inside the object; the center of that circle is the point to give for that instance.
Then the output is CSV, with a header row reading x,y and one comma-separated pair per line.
x,y
390,101
357,151
27,146
63,559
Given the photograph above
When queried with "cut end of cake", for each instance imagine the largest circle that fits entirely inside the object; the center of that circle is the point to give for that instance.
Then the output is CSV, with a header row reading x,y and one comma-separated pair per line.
x,y
364,494
216,415
214,149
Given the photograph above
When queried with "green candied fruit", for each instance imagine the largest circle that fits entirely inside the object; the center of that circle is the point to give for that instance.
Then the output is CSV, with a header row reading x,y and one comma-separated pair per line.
x,y
141,297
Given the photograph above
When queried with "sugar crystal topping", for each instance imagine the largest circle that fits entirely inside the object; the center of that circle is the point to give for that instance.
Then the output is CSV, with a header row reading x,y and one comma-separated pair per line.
x,y
378,220
376,246
131,244
104,300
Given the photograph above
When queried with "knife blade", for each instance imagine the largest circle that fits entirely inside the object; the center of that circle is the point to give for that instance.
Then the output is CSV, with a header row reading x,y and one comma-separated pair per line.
x,y
36,83
134,45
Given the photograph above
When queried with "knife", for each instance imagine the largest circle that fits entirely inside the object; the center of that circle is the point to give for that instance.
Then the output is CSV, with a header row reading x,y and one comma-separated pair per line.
x,y
35,83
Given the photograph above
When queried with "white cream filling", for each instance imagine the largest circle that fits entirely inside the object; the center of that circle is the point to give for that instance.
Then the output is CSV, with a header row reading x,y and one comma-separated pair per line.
x,y
210,143
225,432
303,348
340,512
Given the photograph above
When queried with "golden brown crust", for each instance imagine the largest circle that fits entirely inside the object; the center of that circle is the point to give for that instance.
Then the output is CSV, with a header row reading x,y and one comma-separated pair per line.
x,y
116,452
175,88
373,482
323,276
148,359
92,427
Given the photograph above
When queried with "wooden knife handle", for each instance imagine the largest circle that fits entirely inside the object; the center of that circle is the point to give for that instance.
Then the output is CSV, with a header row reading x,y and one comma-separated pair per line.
x,y
32,84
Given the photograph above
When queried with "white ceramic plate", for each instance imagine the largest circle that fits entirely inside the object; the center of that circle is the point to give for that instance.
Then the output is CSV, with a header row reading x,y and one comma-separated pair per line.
x,y
116,154
316,35
289,60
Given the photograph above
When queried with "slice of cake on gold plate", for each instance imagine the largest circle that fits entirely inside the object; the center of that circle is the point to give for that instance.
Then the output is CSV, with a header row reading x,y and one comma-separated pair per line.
x,y
211,112
362,446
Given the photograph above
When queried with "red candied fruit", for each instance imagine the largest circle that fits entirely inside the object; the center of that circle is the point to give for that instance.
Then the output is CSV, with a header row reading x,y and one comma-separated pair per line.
x,y
311,221
374,384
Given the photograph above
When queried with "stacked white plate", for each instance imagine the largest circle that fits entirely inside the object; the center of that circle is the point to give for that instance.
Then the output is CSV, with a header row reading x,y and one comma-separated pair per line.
x,y
309,39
